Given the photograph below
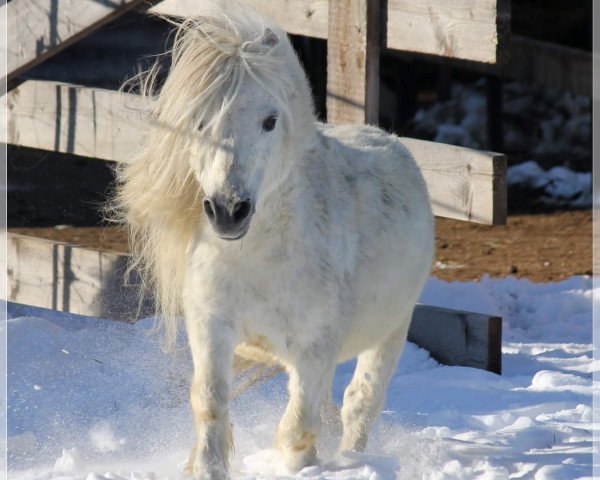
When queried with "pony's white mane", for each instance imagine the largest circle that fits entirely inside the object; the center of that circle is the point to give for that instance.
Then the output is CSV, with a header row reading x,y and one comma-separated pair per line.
x,y
158,196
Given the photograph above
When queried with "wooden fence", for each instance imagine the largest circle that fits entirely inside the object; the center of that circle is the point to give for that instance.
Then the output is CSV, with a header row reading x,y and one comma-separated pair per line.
x,y
464,184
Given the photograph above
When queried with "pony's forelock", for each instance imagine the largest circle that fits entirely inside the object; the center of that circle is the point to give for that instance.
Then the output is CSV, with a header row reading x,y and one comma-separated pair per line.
x,y
157,194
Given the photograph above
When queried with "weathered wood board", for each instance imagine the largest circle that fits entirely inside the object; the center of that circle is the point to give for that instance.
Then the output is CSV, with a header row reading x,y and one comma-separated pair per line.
x,y
458,28
454,337
549,65
72,119
300,17
66,278
464,184
57,276
533,62
461,183
353,61
477,31
38,29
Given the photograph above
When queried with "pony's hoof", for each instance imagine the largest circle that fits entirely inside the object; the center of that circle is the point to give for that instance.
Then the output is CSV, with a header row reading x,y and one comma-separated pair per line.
x,y
296,460
200,470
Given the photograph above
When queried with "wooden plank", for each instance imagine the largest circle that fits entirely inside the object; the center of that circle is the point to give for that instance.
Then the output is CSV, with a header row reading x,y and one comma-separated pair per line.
x,y
458,28
477,31
534,62
300,17
549,65
56,276
353,61
463,184
72,119
38,29
454,337
66,278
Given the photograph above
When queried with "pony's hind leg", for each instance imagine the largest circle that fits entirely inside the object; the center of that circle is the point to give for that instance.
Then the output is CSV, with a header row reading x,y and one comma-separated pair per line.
x,y
299,427
365,395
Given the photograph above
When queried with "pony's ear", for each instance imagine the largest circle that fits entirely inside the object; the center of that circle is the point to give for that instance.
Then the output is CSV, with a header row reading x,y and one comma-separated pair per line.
x,y
270,38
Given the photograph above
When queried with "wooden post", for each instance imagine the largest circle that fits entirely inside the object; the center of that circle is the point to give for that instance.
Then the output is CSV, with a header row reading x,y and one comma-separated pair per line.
x,y
353,61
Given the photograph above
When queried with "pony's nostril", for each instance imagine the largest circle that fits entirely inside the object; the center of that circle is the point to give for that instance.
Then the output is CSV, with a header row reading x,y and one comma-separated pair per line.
x,y
209,209
242,210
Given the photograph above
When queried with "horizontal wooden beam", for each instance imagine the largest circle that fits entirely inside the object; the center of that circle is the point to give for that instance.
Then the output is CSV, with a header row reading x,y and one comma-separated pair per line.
x,y
300,17
533,62
463,184
549,65
83,121
454,28
455,337
477,31
57,276
39,29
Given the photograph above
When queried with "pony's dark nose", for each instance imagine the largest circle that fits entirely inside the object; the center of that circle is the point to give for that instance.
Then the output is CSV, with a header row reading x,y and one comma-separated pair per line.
x,y
229,221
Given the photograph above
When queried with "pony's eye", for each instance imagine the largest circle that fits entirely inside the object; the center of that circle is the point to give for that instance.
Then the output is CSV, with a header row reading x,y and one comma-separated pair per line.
x,y
269,123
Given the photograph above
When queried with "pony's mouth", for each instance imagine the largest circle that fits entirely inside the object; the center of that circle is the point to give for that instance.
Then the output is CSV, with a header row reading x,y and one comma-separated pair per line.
x,y
230,237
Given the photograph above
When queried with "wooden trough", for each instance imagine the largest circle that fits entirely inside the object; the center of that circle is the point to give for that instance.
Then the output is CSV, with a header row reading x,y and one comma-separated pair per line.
x,y
464,184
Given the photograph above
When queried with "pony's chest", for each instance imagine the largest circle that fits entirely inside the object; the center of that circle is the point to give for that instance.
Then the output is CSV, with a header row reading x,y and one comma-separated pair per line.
x,y
284,287
285,294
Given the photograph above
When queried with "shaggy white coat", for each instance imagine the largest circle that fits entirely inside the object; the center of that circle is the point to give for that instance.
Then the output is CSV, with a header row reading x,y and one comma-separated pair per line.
x,y
336,253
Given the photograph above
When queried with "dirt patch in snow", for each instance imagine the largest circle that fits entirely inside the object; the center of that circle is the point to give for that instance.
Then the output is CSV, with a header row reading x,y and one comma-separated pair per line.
x,y
543,248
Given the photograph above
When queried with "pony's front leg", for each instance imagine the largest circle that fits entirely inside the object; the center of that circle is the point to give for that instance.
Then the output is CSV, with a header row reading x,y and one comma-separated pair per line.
x,y
212,343
309,381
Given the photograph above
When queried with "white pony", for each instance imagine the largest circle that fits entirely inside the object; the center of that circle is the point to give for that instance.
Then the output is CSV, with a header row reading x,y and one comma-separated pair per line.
x,y
277,237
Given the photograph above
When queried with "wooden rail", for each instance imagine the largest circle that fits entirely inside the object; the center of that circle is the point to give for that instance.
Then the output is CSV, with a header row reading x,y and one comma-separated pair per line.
x,y
58,276
549,65
454,28
472,35
477,31
67,278
356,30
464,184
533,62
90,122
39,29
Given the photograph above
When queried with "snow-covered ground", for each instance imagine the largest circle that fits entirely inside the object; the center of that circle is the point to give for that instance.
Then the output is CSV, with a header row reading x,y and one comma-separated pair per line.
x,y
96,400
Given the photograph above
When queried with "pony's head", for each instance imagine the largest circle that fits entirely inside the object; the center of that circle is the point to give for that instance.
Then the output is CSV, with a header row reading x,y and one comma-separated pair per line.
x,y
241,106
232,115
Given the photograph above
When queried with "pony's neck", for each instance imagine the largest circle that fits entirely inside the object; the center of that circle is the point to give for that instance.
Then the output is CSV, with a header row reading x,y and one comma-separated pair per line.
x,y
284,186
